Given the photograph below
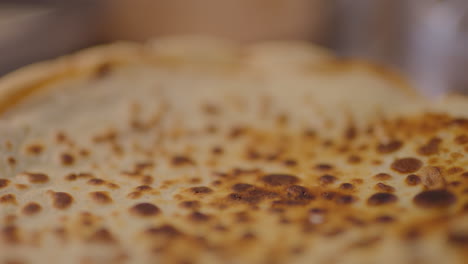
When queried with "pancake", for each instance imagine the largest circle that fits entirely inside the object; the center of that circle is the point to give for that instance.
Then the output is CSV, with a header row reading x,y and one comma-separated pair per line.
x,y
199,150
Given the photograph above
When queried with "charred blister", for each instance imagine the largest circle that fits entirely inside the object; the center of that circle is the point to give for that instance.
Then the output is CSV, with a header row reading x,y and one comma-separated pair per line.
x,y
407,165
434,199
378,199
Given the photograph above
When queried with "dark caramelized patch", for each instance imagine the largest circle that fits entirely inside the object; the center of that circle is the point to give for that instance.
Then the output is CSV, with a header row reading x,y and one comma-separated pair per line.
x,y
298,192
35,149
381,199
201,190
461,139
252,196
280,179
199,217
385,219
37,177
61,200
190,204
4,183
290,163
327,179
389,147
100,197
384,187
323,167
345,199
143,188
96,181
145,209
407,165
163,230
102,235
458,238
8,198
67,159
10,234
431,147
413,179
181,161
434,199
242,187
382,176
103,70
346,186
354,159
31,208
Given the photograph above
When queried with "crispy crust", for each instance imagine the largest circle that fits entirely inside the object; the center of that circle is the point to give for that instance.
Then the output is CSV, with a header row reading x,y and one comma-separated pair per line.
x,y
21,83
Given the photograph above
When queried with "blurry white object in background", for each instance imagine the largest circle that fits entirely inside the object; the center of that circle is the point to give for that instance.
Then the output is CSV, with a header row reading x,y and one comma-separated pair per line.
x,y
438,46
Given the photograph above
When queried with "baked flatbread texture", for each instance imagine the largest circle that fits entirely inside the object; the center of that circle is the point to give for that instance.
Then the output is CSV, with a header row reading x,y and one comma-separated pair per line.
x,y
196,150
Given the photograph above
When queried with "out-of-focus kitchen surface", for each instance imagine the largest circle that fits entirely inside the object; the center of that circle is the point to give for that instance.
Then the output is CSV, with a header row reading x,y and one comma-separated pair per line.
x,y
425,40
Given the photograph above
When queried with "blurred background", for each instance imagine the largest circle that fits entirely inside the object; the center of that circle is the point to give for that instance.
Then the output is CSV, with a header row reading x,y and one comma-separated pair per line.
x,y
426,40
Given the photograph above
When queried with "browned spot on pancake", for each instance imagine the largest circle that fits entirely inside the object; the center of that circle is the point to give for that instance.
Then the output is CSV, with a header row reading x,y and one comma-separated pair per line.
x,y
298,192
280,179
431,147
96,181
323,167
61,200
199,217
406,165
71,177
201,190
384,187
10,234
385,219
290,163
8,198
32,208
345,199
350,133
147,179
21,186
67,159
134,195
459,238
381,199
4,183
145,209
354,159
103,70
382,176
101,197
217,150
389,147
413,179
37,177
434,199
143,188
102,235
237,132
347,186
461,139
432,178
11,161
181,161
163,230
242,187
34,149
252,195
190,204
327,179
454,170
